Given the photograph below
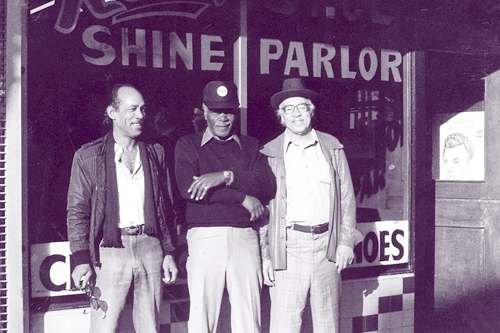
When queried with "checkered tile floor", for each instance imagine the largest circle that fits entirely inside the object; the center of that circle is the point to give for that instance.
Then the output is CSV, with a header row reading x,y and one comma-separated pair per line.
x,y
383,304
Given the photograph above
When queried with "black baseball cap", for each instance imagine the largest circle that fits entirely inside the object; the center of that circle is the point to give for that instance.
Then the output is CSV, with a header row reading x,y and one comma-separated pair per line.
x,y
221,95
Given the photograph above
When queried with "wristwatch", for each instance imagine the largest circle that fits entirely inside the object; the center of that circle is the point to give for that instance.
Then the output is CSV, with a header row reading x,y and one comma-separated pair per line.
x,y
227,177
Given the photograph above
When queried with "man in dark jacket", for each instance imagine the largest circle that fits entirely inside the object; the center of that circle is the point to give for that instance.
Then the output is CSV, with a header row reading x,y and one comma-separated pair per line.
x,y
225,181
117,219
312,221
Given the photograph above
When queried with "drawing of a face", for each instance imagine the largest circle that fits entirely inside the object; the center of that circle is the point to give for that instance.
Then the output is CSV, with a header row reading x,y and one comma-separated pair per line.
x,y
456,163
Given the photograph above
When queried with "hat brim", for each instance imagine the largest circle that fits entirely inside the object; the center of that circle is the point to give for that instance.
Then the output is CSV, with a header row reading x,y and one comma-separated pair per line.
x,y
222,105
279,97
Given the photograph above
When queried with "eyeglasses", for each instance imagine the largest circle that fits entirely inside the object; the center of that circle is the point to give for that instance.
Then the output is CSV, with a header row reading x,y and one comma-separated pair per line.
x,y
302,108
94,293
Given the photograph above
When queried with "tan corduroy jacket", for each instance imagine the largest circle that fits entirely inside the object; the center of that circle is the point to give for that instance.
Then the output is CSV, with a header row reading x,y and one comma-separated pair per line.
x,y
342,224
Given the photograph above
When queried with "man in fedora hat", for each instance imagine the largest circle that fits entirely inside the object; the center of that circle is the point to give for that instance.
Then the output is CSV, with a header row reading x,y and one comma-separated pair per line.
x,y
226,182
311,232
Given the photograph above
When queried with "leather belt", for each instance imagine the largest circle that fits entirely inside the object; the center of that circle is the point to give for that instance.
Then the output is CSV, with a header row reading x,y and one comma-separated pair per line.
x,y
315,229
133,231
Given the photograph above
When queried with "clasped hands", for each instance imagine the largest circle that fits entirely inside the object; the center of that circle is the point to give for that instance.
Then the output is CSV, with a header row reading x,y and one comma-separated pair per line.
x,y
200,186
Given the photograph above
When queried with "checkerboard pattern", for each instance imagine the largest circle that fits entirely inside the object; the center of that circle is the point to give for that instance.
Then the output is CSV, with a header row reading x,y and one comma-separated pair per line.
x,y
175,311
382,304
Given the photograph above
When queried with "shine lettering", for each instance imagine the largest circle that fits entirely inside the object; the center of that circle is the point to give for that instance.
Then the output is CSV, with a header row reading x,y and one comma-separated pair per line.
x,y
135,50
154,48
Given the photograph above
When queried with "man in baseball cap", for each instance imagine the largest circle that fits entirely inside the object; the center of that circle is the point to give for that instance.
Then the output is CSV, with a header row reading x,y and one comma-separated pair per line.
x,y
312,218
220,105
226,182
221,95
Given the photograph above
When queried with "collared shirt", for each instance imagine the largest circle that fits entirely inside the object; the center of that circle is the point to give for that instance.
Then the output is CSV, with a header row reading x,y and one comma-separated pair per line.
x,y
130,190
207,136
308,182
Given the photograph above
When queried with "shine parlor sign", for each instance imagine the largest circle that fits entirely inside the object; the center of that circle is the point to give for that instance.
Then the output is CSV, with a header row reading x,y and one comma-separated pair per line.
x,y
138,34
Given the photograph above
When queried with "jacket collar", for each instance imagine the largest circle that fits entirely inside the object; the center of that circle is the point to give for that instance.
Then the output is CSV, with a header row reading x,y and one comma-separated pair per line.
x,y
207,136
108,136
274,148
309,141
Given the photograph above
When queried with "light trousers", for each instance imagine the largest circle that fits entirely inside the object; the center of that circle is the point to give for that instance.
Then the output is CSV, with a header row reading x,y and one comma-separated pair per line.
x,y
219,258
139,266
308,273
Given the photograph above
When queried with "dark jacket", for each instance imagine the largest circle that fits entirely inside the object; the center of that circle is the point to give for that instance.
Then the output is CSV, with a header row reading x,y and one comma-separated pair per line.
x,y
87,200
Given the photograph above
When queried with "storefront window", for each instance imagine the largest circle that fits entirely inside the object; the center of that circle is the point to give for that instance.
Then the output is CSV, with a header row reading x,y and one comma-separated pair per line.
x,y
78,50
358,73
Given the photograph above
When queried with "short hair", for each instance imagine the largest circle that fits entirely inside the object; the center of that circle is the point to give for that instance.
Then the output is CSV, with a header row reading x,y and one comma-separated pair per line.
x,y
114,101
457,139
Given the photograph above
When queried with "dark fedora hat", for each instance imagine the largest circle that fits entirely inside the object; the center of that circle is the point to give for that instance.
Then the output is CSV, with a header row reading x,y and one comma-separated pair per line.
x,y
292,87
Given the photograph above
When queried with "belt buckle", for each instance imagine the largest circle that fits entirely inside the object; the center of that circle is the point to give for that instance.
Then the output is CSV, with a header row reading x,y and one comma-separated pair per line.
x,y
134,230
319,229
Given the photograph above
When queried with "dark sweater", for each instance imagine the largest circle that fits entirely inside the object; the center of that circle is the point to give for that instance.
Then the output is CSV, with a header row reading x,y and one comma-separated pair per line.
x,y
222,204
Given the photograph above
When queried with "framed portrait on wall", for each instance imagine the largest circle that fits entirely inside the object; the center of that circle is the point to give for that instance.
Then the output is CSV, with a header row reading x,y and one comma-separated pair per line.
x,y
459,150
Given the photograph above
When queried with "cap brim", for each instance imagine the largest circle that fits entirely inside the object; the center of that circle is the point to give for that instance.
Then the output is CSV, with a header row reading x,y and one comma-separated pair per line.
x,y
279,97
222,105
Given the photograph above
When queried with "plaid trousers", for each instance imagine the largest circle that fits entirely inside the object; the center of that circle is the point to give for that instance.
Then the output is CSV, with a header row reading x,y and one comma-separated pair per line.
x,y
308,273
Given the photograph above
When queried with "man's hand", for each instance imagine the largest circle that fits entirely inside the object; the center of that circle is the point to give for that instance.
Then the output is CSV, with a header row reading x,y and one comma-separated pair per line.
x,y
200,185
81,275
268,272
344,256
253,205
170,270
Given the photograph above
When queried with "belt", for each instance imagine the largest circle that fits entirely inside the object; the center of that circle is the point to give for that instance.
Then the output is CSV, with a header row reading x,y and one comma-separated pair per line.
x,y
133,231
315,229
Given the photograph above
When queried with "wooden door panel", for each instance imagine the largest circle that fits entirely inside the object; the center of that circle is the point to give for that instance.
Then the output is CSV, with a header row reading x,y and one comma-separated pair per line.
x,y
460,266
